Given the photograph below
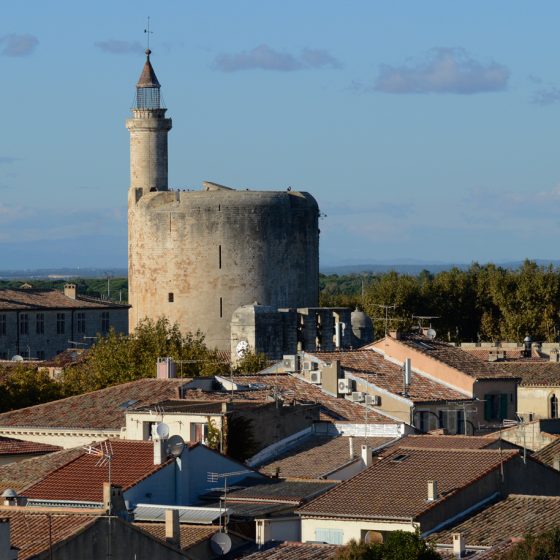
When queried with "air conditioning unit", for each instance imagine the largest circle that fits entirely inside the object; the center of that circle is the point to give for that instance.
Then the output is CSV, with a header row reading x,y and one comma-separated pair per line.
x,y
357,396
315,377
290,363
373,400
307,366
344,386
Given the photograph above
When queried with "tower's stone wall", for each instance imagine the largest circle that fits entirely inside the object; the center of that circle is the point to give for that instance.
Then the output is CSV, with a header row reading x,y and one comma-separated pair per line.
x,y
148,149
196,257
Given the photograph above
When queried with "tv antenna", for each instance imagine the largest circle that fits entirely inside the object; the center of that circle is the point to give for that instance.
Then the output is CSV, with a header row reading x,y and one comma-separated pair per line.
x,y
386,318
104,451
430,333
148,33
215,477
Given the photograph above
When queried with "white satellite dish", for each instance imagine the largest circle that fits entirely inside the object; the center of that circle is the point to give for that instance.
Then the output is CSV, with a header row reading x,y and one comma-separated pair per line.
x,y
431,333
17,358
220,543
175,445
162,430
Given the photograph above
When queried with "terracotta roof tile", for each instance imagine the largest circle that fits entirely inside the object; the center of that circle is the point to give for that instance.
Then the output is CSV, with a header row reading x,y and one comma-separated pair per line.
x,y
548,453
296,551
104,409
12,446
516,353
30,531
25,473
82,479
32,299
317,456
455,357
396,485
190,534
429,441
534,373
374,368
514,516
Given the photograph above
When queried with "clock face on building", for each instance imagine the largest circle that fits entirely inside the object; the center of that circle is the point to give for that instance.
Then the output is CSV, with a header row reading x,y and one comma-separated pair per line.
x,y
242,348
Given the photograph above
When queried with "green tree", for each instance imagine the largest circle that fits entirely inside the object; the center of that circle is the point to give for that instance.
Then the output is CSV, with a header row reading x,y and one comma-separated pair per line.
x,y
22,386
397,545
251,362
545,546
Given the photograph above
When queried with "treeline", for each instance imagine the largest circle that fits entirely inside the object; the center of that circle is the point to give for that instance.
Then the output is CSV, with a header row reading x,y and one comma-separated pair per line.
x,y
116,358
482,303
116,289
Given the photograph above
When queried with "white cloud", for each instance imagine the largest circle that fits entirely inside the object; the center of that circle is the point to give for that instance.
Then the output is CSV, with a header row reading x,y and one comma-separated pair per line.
x,y
264,57
443,70
18,45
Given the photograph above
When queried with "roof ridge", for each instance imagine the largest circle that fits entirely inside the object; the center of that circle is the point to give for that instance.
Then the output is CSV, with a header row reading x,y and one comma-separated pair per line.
x,y
456,450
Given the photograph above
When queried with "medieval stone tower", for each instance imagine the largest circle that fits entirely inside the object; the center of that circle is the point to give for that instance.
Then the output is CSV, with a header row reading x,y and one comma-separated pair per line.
x,y
196,256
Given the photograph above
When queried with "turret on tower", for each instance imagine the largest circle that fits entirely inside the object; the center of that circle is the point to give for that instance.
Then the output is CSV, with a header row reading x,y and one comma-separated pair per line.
x,y
148,134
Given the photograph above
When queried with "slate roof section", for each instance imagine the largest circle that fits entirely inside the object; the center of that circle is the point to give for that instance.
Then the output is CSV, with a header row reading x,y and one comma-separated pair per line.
x,y
29,471
82,479
285,491
317,456
30,531
296,551
12,446
395,486
34,299
514,516
534,373
104,409
191,535
374,368
454,357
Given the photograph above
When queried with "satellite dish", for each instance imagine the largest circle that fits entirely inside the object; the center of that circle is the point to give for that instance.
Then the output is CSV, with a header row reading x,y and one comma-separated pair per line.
x,y
220,543
162,430
17,358
175,445
431,333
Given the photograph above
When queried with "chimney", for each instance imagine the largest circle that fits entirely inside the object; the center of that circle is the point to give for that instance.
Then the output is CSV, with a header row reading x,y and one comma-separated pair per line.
x,y
160,451
351,445
366,455
6,550
113,500
554,355
492,356
10,497
397,335
458,545
432,491
70,290
172,527
165,368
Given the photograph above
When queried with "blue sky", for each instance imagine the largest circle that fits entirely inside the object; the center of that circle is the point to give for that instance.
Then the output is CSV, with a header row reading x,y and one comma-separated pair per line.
x,y
426,130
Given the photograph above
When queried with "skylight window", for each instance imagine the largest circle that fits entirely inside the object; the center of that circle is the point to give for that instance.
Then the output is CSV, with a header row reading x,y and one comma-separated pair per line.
x,y
127,404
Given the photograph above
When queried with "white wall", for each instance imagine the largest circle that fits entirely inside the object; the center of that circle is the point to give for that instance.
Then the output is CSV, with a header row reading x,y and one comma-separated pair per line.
x,y
278,529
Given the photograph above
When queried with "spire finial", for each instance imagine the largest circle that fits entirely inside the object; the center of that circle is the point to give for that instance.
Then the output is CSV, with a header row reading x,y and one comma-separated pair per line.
x,y
148,33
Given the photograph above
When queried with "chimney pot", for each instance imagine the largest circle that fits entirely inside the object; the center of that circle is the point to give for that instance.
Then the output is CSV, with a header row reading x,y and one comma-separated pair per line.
x,y
366,455
70,290
432,490
351,445
458,545
172,527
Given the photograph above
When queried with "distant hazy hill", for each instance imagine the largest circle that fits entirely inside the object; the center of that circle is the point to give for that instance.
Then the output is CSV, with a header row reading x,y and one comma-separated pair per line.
x,y
417,267
57,273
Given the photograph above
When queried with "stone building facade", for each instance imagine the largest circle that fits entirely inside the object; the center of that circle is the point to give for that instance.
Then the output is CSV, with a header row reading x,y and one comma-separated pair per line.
x,y
196,256
38,324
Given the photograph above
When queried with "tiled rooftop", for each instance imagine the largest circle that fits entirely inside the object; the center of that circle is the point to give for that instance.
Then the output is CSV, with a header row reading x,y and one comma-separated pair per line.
x,y
25,473
12,446
31,299
396,485
548,453
514,516
293,389
534,373
32,532
103,409
296,551
190,534
429,441
317,456
375,369
453,356
516,353
82,479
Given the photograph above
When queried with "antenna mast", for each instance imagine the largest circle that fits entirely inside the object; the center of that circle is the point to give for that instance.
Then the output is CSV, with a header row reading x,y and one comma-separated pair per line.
x,y
148,33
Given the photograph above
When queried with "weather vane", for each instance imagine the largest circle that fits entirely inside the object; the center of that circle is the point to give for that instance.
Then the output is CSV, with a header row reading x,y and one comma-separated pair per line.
x,y
148,32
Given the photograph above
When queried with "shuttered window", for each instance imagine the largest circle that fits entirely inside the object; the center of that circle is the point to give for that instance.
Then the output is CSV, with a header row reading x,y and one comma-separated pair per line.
x,y
330,536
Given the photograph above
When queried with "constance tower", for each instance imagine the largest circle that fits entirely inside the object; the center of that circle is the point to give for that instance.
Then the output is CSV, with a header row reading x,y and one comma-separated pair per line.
x,y
196,256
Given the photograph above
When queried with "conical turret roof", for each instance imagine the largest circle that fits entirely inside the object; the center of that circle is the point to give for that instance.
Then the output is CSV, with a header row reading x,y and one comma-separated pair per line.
x,y
148,78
